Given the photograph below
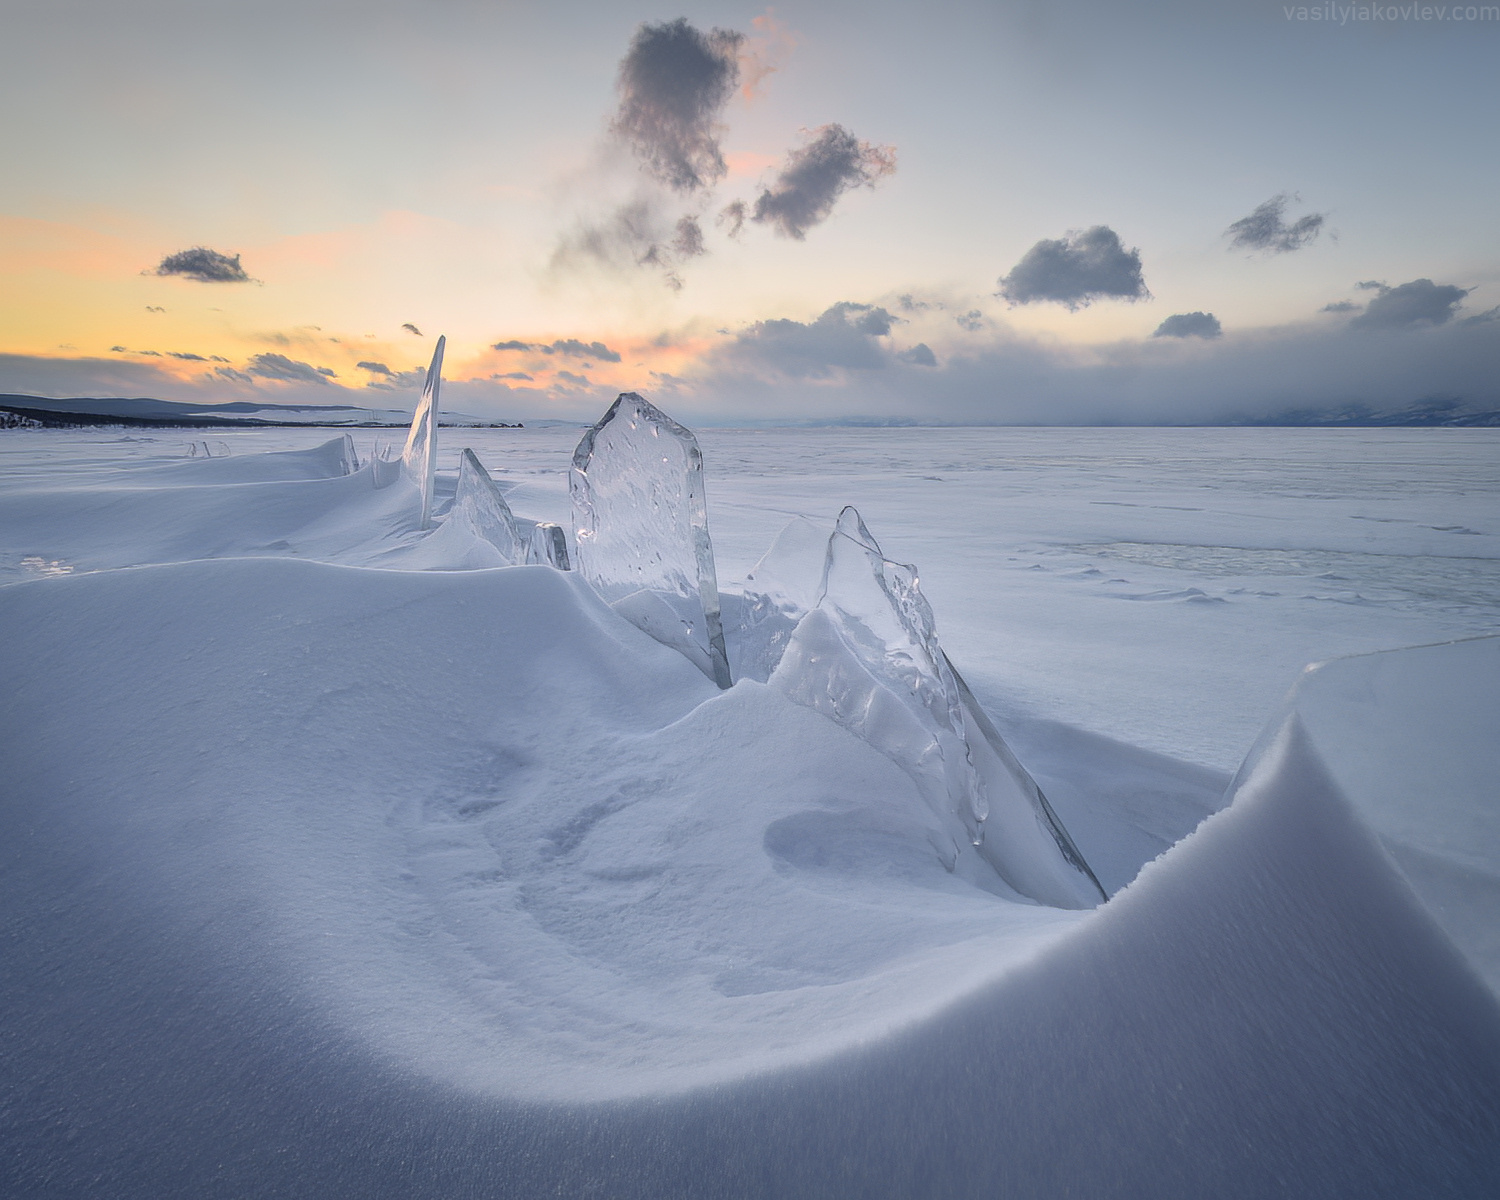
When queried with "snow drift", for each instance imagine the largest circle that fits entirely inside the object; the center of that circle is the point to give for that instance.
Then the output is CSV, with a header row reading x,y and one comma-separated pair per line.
x,y
328,880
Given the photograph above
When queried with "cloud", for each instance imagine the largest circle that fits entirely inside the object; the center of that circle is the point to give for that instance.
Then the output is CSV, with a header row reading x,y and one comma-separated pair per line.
x,y
576,380
1488,317
732,215
920,355
239,376
1420,302
186,356
972,321
410,328
289,370
815,176
512,375
1076,270
204,265
636,234
1340,306
375,368
1186,325
674,82
567,347
843,336
1266,228
687,238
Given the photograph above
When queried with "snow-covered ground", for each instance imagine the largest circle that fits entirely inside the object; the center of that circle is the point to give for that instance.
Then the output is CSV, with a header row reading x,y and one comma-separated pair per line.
x,y
328,880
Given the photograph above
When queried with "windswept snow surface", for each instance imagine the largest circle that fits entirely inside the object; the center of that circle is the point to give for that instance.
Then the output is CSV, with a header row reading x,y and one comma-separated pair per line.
x,y
334,865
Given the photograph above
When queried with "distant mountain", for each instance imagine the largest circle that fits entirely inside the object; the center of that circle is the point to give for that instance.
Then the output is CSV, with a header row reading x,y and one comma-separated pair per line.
x,y
1449,414
47,411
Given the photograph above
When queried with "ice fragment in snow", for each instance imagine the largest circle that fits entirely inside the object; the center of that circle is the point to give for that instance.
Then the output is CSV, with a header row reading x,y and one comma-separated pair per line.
x,y
640,520
548,546
868,656
479,505
420,455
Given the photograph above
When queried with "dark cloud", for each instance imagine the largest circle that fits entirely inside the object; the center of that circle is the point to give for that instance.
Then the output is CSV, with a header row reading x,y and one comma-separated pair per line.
x,y
1076,270
512,375
410,328
973,320
568,347
1192,324
188,357
118,350
1420,302
1488,317
576,380
154,307
844,335
1371,285
732,215
236,376
204,265
687,238
289,370
217,358
920,355
637,234
906,302
375,368
674,82
815,176
1266,228
1340,306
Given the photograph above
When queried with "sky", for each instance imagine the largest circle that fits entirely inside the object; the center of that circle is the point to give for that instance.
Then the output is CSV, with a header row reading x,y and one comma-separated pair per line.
x,y
955,212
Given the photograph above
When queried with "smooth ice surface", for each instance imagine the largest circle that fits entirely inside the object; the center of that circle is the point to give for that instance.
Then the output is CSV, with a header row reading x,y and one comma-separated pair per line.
x,y
420,455
317,879
640,521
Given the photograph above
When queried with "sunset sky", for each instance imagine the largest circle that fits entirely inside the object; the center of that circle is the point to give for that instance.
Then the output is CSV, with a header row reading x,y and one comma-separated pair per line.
x,y
980,212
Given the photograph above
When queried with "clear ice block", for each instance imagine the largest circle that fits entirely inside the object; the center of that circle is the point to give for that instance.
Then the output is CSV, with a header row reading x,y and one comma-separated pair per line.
x,y
548,546
640,520
868,656
420,456
479,505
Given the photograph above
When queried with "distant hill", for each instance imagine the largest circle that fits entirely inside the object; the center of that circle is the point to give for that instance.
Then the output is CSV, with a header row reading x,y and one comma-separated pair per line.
x,y
73,411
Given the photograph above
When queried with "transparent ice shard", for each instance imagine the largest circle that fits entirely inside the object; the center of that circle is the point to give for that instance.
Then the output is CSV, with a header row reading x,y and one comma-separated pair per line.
x,y
640,520
867,655
479,505
420,456
784,585
1409,739
548,546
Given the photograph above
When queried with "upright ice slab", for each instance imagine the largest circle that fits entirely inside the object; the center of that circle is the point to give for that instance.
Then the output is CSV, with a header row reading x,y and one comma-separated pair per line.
x,y
420,456
866,654
479,505
640,522
548,546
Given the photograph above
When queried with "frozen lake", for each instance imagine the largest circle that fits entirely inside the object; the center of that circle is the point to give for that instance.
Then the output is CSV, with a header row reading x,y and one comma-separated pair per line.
x,y
1162,587
421,880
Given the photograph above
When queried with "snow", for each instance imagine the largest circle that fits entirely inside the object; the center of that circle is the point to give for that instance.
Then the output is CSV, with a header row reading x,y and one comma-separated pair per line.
x,y
336,866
